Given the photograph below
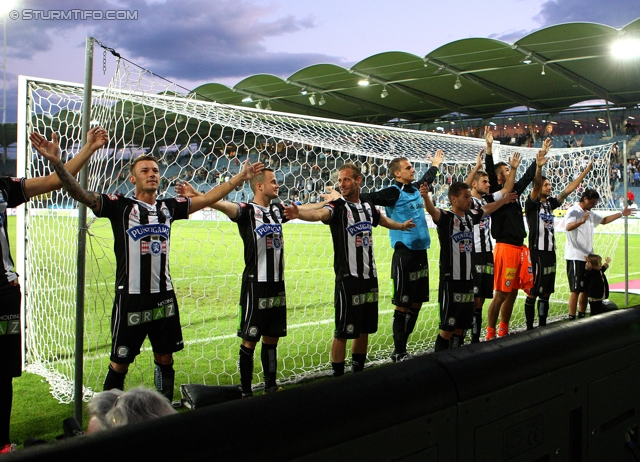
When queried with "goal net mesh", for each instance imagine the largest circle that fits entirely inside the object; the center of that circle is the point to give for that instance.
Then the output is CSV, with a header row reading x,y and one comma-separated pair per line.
x,y
204,143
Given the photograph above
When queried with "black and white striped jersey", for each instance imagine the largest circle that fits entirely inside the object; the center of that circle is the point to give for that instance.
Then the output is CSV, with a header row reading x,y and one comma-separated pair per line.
x,y
456,244
351,227
483,242
261,231
540,220
11,195
141,233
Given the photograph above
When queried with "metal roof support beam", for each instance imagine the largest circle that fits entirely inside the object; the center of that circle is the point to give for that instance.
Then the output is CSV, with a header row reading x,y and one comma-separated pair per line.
x,y
571,76
300,108
531,128
347,99
410,91
513,96
609,119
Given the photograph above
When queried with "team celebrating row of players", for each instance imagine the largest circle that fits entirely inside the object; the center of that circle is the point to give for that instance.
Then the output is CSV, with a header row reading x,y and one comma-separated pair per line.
x,y
470,267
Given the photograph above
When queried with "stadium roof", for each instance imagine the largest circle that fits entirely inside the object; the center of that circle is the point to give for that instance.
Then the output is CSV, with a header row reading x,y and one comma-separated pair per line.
x,y
476,77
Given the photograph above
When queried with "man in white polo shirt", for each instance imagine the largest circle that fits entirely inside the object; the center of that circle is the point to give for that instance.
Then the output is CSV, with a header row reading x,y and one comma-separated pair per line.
x,y
580,223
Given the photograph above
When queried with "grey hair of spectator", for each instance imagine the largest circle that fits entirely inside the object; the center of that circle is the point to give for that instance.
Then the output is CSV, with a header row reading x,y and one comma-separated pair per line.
x,y
139,405
99,407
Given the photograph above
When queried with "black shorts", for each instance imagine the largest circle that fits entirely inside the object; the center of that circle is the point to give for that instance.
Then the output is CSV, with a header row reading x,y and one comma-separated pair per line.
x,y
544,273
10,332
263,310
456,305
410,274
136,316
575,274
482,274
356,304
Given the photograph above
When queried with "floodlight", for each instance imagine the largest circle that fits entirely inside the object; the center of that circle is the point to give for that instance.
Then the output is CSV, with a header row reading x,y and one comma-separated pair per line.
x,y
526,59
458,84
627,48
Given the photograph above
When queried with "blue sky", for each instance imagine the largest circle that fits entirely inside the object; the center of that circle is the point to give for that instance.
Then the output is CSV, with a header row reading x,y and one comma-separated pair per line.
x,y
198,41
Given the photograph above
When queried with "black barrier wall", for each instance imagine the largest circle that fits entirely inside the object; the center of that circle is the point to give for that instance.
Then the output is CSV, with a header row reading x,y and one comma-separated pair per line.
x,y
567,392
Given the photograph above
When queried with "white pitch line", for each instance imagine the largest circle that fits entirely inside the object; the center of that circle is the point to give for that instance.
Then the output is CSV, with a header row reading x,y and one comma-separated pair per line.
x,y
230,336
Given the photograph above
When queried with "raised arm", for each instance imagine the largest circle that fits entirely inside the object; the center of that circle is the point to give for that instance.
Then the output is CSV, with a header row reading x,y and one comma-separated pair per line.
x,y
293,211
475,168
184,189
93,200
574,184
625,212
514,163
392,224
537,179
433,171
428,203
248,171
96,138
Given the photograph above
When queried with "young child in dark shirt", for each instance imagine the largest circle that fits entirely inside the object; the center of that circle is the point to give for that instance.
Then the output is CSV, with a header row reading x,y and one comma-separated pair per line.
x,y
596,282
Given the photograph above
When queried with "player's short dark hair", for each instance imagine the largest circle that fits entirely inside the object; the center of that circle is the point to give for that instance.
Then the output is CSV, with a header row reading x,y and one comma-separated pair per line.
x,y
456,188
354,169
589,194
544,178
498,166
259,178
394,166
134,162
480,174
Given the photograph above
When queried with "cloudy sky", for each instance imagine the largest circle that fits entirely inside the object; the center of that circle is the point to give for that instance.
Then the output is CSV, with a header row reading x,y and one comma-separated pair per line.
x,y
197,41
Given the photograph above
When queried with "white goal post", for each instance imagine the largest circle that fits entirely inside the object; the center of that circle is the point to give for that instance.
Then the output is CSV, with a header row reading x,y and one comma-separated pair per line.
x,y
202,142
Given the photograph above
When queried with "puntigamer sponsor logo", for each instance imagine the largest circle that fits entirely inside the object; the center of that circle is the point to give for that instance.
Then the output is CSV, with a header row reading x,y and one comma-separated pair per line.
x,y
358,228
138,232
266,229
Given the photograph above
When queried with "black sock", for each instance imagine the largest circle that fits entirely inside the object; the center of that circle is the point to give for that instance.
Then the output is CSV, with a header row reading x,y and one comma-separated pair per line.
x,y
477,325
442,344
399,334
268,356
114,379
456,340
338,369
357,362
245,365
6,397
543,311
163,378
411,320
530,311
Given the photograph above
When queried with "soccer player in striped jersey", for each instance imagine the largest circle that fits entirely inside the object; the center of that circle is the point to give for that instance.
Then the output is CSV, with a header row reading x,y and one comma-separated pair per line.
x,y
512,263
455,233
351,221
539,208
263,309
482,256
410,264
145,302
14,192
